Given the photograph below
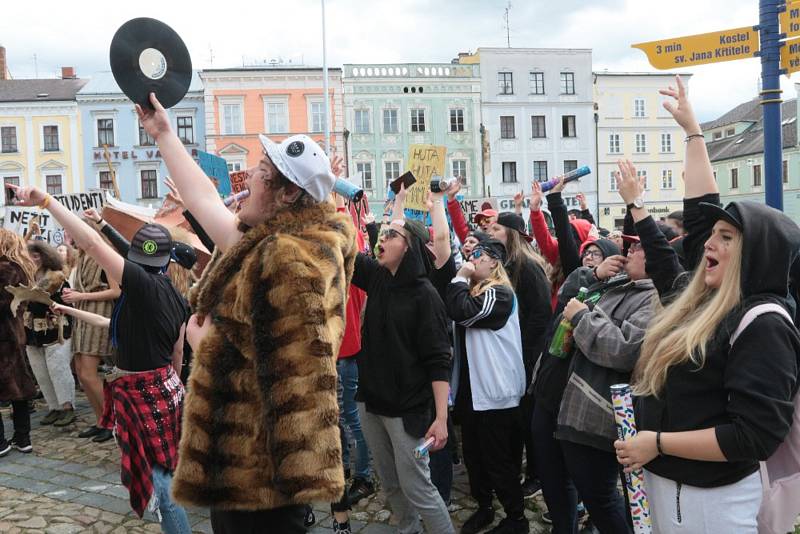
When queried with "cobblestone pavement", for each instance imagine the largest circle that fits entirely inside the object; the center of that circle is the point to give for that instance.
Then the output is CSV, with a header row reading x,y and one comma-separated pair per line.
x,y
70,485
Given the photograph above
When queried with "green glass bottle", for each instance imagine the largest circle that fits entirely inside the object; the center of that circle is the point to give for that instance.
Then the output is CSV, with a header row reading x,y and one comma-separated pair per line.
x,y
561,345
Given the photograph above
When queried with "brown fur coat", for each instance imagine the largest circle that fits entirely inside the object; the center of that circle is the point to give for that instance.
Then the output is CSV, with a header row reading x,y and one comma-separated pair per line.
x,y
260,424
16,383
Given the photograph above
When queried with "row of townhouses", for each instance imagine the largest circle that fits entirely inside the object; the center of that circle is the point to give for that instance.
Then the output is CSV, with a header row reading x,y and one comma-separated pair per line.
x,y
507,117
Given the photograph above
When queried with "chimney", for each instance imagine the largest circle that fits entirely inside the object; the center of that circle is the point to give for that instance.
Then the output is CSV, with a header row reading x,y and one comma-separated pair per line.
x,y
3,67
68,73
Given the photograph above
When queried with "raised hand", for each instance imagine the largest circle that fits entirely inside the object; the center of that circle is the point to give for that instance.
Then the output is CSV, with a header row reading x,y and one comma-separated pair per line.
x,y
630,186
27,196
92,215
154,121
536,196
559,187
173,194
519,199
581,198
453,189
681,109
337,165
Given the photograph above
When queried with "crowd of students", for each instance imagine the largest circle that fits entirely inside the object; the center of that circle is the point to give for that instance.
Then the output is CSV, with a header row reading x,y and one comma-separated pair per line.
x,y
313,327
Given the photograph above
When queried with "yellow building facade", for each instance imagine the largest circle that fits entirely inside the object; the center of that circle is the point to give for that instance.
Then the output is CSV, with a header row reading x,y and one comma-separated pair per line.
x,y
632,124
40,135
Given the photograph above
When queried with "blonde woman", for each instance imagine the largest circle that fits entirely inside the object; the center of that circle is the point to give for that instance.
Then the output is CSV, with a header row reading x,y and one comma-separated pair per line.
x,y
16,383
710,410
488,383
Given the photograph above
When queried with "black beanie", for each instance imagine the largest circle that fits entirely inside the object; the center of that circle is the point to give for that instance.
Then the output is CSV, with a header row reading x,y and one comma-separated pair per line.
x,y
606,246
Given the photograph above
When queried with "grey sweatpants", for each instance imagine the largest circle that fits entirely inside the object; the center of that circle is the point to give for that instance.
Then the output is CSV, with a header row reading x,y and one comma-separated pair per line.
x,y
405,479
692,510
50,365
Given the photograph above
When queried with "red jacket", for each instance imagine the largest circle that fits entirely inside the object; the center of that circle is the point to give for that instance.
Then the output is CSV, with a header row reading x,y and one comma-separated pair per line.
x,y
351,342
457,219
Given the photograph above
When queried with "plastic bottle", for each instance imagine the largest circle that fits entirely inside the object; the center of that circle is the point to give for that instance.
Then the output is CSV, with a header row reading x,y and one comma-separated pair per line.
x,y
561,345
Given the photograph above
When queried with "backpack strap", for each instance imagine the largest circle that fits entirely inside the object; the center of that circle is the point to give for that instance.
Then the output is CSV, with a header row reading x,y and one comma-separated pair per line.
x,y
754,312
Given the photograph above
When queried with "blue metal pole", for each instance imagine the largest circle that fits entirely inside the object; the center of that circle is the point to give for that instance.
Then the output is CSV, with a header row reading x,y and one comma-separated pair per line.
x,y
771,100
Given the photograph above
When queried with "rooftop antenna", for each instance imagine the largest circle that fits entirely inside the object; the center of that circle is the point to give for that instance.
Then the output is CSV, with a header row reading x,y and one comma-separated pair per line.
x,y
210,55
35,65
508,25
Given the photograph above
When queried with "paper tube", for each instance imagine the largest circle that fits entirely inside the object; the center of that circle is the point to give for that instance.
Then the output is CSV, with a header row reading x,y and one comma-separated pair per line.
x,y
622,401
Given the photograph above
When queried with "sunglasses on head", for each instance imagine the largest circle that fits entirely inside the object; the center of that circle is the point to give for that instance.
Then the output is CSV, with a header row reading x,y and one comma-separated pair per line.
x,y
479,252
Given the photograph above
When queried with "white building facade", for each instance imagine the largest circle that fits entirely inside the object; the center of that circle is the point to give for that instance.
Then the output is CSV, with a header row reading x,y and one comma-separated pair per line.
x,y
538,119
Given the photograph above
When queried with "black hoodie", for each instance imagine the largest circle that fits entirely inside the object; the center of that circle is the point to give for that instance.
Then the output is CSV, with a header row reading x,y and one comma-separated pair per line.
x,y
744,392
405,345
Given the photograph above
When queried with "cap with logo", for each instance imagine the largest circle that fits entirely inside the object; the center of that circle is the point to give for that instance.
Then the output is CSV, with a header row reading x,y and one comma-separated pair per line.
x,y
151,246
300,159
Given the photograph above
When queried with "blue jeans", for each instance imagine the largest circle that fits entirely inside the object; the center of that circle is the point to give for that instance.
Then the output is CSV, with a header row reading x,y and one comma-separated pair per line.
x,y
347,369
173,517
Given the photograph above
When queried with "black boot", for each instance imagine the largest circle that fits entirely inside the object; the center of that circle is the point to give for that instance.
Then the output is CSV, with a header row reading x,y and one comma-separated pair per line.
x,y
479,520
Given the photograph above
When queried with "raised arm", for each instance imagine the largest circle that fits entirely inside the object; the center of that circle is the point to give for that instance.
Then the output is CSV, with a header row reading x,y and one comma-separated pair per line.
x,y
457,219
567,247
84,235
698,174
548,245
441,232
85,316
198,193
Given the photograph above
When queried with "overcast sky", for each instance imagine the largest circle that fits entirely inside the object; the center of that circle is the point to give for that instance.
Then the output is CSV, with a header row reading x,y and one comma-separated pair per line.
x,y
78,34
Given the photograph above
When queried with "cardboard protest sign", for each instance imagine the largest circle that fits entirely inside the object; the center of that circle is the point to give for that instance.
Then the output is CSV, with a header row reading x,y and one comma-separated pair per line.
x,y
424,161
473,206
237,180
19,219
215,168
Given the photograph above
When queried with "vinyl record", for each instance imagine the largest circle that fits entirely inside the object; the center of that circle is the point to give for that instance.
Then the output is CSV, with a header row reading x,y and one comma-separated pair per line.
x,y
148,56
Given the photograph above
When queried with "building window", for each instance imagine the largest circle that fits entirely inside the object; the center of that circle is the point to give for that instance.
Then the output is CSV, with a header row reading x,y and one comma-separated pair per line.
x,y
540,171
509,172
53,182
8,134
641,143
638,107
366,175
361,125
568,126
417,120
666,142
50,134
277,117
456,120
642,175
390,125
149,183
145,139
570,165
536,85
507,127
612,181
538,126
317,116
9,193
666,179
460,170
232,118
614,144
756,175
391,170
785,171
234,166
186,130
730,131
105,180
505,83
567,83
717,135
105,132
734,178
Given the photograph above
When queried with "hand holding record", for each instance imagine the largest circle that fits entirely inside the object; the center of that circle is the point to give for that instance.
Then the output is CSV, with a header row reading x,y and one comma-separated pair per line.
x,y
154,121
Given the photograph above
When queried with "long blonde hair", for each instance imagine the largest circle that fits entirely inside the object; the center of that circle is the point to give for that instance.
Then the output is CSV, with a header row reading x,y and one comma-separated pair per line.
x,y
14,249
519,251
182,278
497,277
681,331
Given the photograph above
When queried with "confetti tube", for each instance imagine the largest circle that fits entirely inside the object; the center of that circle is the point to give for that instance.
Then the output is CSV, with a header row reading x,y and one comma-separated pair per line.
x,y
622,401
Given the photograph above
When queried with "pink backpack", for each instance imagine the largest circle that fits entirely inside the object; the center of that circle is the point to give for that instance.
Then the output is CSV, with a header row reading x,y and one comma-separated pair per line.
x,y
780,474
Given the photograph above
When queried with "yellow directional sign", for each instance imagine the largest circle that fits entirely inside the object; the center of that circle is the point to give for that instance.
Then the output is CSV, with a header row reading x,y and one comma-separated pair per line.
x,y
714,47
790,20
790,56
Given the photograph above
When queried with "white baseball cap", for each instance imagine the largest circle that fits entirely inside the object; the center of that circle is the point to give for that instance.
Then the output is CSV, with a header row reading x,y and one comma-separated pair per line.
x,y
303,162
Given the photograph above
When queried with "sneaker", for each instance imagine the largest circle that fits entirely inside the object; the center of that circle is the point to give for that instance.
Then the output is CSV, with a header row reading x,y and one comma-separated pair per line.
x,y
22,443
360,489
310,518
511,526
103,436
5,448
66,418
341,528
480,519
546,518
51,417
89,432
531,487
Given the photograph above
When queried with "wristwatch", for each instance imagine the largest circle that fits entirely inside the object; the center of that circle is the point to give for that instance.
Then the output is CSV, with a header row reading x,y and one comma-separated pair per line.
x,y
637,203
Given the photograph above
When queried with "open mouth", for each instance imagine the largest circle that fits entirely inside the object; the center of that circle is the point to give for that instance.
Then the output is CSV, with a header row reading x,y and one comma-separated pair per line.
x,y
379,249
711,263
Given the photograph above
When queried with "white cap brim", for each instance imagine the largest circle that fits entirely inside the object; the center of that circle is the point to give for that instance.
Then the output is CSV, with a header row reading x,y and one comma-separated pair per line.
x,y
273,151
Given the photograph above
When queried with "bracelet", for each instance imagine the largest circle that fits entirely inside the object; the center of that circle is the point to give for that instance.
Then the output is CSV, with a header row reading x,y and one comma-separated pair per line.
x,y
45,202
692,136
658,444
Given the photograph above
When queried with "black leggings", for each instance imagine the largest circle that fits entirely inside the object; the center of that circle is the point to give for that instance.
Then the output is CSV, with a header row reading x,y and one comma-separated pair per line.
x,y
286,520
